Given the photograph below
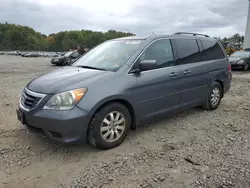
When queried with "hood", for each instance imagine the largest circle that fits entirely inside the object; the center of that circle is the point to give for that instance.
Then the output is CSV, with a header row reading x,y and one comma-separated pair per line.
x,y
65,78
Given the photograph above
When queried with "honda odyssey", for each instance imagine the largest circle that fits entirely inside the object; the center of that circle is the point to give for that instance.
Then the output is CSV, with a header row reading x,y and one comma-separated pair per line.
x,y
123,83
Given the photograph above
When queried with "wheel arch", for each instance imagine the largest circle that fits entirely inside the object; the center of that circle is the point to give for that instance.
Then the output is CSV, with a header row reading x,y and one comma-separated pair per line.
x,y
222,86
125,102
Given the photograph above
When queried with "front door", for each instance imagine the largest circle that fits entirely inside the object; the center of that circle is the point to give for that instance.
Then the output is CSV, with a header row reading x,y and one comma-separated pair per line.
x,y
158,89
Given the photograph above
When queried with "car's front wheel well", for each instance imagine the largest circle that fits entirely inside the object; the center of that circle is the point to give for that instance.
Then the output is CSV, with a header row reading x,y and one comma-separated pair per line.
x,y
126,104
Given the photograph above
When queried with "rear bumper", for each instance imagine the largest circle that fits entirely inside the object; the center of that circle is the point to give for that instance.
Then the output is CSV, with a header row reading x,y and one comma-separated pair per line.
x,y
60,126
227,83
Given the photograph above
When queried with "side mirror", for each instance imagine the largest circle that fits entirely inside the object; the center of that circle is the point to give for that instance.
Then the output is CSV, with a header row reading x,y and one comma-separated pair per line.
x,y
147,65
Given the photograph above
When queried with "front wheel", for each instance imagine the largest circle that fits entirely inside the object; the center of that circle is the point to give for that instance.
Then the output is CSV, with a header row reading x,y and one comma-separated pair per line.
x,y
69,62
214,97
64,63
109,126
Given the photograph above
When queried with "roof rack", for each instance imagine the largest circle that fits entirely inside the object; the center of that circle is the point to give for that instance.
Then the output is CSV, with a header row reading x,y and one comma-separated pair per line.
x,y
194,34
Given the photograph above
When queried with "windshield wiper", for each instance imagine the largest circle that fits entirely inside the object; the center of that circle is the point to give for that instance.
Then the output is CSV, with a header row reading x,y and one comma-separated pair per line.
x,y
89,67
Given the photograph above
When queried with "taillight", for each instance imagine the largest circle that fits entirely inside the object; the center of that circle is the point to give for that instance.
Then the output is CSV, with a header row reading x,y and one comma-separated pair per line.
x,y
229,68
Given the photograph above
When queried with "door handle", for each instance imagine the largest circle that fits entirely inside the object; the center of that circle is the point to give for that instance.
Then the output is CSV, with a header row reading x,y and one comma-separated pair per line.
x,y
187,72
173,74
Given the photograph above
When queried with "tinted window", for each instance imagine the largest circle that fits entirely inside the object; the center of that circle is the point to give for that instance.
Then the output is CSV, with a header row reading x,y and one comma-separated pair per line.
x,y
161,51
75,54
187,51
68,54
212,50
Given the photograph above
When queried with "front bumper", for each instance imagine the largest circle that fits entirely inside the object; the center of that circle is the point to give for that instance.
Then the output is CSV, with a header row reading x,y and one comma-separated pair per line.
x,y
56,62
59,61
60,126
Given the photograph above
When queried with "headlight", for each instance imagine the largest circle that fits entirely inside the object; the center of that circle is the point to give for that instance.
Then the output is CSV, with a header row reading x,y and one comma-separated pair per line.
x,y
65,100
241,61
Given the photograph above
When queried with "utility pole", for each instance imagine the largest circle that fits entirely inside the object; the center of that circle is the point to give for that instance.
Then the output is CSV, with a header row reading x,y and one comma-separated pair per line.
x,y
247,31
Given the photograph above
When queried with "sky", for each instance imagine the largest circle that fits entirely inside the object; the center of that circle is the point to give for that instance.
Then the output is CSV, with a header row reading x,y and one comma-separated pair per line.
x,y
217,18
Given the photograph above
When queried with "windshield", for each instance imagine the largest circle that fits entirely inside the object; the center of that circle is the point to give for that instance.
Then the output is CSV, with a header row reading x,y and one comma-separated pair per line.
x,y
240,54
110,55
67,54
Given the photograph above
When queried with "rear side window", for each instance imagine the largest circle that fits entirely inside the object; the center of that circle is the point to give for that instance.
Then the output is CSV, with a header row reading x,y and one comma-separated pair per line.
x,y
187,51
212,50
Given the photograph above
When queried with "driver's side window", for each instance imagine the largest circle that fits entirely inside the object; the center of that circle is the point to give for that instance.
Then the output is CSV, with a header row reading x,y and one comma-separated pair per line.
x,y
161,51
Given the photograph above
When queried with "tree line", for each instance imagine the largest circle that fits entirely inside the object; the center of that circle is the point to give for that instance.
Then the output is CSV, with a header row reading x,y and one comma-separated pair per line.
x,y
18,37
236,38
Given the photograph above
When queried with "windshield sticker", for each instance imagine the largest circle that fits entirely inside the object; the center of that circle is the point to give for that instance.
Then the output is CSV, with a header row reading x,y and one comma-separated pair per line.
x,y
133,42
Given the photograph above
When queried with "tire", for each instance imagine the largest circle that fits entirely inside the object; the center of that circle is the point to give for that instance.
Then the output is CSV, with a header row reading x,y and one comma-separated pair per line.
x,y
64,63
68,62
213,104
246,66
96,137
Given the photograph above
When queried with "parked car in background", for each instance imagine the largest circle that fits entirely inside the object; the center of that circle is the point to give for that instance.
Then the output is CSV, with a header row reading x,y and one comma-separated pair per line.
x,y
240,60
36,54
24,54
66,59
123,83
31,54
27,54
13,53
50,54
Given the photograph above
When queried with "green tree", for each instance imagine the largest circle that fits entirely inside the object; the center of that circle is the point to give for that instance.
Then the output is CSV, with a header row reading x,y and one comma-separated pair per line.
x,y
17,37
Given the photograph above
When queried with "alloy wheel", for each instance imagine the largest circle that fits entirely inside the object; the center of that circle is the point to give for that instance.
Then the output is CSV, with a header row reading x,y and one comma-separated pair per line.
x,y
215,96
113,126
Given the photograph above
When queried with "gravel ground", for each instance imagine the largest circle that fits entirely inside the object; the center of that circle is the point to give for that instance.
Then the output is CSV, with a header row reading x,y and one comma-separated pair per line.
x,y
194,148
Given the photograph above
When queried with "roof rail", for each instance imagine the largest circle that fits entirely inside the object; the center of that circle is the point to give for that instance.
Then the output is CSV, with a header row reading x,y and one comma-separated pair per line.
x,y
194,34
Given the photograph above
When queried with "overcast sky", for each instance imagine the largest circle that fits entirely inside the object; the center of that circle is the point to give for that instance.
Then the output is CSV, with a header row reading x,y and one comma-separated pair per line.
x,y
142,17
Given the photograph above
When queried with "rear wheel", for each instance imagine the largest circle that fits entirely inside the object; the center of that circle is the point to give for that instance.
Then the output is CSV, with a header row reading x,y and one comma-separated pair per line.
x,y
109,126
214,97
246,66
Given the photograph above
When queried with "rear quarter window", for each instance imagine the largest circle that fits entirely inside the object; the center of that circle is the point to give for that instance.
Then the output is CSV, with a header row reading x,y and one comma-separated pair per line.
x,y
212,51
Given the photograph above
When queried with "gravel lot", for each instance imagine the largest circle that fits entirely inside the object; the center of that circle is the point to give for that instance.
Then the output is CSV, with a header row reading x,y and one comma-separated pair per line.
x,y
194,148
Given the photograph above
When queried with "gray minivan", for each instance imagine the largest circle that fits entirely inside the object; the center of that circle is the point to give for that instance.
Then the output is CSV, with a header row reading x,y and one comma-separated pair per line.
x,y
123,83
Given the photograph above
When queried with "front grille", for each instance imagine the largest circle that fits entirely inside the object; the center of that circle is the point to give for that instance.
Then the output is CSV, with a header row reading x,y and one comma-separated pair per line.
x,y
30,99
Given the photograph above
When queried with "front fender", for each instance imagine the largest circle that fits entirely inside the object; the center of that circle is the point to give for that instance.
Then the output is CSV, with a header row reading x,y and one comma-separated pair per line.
x,y
113,98
107,100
